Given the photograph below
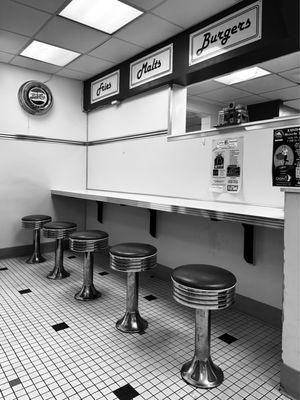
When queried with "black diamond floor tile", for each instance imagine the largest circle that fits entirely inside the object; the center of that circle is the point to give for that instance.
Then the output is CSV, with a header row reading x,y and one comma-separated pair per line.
x,y
14,382
24,291
150,297
71,256
59,327
227,338
3,269
126,392
103,273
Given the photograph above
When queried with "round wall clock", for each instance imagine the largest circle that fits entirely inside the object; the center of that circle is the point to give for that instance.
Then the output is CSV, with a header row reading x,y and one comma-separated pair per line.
x,y
35,97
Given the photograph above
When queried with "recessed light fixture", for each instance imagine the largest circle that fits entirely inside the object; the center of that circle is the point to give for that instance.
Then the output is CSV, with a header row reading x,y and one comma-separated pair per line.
x,y
49,53
242,75
105,15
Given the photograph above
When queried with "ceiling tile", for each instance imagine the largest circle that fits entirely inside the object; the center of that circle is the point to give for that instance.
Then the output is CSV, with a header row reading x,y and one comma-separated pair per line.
x,y
5,57
68,73
89,65
116,50
227,94
293,103
250,100
12,42
282,63
144,4
34,64
264,84
17,18
205,86
290,93
292,74
46,5
71,35
189,12
147,30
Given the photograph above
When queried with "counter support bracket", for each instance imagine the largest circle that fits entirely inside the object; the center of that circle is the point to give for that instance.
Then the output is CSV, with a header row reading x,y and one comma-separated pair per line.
x,y
100,211
152,225
249,243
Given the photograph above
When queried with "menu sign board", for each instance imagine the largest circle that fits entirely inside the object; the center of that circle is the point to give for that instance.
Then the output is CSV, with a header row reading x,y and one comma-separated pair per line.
x,y
106,86
286,157
151,67
231,32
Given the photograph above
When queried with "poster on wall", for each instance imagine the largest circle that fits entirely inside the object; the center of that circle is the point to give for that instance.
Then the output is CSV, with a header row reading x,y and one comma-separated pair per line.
x,y
227,163
286,157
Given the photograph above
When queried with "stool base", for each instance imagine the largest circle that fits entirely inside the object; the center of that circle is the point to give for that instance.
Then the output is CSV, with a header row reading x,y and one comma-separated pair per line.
x,y
132,322
35,259
202,373
87,292
58,273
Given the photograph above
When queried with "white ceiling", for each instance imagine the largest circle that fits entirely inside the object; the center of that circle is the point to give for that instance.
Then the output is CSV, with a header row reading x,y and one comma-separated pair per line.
x,y
283,83
21,21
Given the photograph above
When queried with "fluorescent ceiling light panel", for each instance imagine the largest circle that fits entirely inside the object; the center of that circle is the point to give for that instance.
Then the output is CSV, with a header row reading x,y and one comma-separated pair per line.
x,y
105,15
49,54
242,75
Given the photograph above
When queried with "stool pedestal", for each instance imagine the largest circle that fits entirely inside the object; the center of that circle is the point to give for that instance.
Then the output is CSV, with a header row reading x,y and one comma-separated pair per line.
x,y
132,322
201,371
88,290
36,256
58,271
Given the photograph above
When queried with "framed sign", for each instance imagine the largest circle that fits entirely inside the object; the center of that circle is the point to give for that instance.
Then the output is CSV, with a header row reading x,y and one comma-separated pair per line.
x,y
106,86
151,67
235,30
35,97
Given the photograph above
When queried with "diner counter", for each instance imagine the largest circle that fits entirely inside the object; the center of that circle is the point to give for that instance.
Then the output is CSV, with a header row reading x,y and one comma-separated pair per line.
x,y
270,217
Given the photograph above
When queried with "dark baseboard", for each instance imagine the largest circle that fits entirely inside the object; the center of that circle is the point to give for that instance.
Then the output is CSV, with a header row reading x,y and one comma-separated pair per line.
x,y
22,251
290,381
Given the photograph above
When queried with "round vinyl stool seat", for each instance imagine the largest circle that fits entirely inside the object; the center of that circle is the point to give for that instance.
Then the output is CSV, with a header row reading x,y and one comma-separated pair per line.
x,y
132,258
88,242
58,230
36,223
205,288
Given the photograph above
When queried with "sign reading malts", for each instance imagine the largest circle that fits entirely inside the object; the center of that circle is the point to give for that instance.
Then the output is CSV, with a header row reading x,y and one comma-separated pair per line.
x,y
151,67
35,97
106,86
231,32
286,157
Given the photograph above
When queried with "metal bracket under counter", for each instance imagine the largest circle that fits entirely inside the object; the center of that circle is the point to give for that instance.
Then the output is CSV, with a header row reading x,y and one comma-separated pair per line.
x,y
248,215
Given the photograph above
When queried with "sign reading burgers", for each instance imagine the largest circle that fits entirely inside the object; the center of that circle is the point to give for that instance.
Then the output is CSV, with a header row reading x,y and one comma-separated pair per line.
x,y
35,97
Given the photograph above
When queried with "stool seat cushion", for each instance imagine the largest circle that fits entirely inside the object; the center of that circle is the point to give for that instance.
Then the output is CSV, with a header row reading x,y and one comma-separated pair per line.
x,y
89,235
36,217
57,225
133,250
204,277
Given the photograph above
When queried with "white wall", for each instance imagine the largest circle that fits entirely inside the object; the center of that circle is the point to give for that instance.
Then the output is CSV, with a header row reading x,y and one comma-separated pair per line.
x,y
29,169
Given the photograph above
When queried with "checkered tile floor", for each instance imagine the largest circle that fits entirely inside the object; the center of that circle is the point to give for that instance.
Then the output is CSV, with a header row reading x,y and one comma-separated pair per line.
x,y
54,347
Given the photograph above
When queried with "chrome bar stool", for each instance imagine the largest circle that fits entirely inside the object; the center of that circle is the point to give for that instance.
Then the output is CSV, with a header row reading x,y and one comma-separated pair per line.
x,y
58,230
88,242
36,223
132,258
205,288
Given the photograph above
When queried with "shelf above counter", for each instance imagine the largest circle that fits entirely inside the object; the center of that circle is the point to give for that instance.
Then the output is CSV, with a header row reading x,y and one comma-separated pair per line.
x,y
249,126
271,217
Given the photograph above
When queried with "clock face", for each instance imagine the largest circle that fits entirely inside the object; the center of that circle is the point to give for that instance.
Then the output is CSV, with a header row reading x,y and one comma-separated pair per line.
x,y
35,97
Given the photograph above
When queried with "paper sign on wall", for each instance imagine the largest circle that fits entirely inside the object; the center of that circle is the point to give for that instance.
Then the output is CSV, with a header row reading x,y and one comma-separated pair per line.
x,y
286,157
106,86
151,67
231,32
227,160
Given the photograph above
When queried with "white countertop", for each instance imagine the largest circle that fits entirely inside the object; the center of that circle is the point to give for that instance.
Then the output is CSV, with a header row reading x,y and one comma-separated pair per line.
x,y
235,212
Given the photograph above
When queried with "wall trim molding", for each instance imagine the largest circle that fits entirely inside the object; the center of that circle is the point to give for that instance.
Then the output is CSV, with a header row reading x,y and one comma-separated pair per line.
x,y
290,381
33,138
26,250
